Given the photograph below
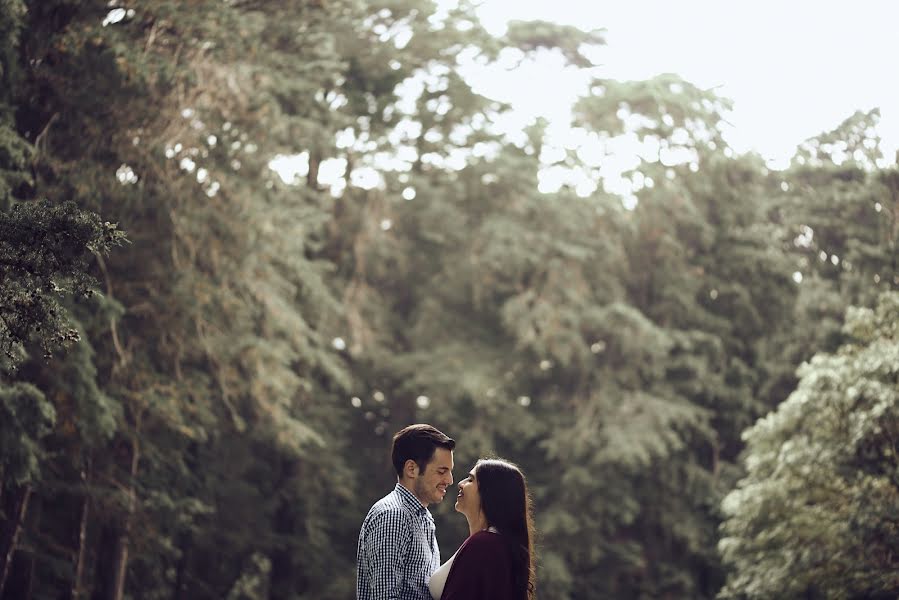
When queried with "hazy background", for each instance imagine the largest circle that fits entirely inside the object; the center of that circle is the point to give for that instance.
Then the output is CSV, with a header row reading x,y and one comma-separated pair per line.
x,y
243,242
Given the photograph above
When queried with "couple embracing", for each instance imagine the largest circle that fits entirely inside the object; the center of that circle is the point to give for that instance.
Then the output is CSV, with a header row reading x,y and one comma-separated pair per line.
x,y
398,557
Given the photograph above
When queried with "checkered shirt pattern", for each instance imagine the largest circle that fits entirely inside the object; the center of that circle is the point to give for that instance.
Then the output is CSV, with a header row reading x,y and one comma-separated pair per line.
x,y
397,551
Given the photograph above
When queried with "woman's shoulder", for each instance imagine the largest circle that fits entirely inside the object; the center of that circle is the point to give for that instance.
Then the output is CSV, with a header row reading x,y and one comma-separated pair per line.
x,y
483,541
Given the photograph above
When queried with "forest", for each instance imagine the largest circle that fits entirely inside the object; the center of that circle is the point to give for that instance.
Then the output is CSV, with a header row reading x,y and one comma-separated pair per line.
x,y
203,362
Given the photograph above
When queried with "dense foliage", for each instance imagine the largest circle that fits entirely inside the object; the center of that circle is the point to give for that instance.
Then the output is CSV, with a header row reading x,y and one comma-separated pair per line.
x,y
816,514
215,416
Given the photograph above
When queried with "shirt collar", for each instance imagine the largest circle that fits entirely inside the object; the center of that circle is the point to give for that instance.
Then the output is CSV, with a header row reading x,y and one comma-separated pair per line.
x,y
409,500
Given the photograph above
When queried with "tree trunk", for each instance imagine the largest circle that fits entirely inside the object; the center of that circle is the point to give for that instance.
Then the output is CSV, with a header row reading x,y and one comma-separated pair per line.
x,y
17,507
103,581
112,553
179,591
282,577
281,574
185,539
20,584
312,175
120,562
78,590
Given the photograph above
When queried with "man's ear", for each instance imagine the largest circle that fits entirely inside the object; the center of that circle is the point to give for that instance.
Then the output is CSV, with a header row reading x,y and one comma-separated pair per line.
x,y
410,469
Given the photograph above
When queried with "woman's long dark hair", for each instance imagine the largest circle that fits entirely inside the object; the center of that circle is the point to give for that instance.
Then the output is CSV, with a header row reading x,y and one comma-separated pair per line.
x,y
507,507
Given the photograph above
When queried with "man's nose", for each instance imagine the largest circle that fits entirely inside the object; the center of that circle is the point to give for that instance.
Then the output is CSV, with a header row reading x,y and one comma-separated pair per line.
x,y
449,477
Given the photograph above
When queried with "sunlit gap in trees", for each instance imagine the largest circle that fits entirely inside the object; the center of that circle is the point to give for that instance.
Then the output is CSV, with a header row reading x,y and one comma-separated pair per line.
x,y
190,158
571,156
805,240
424,402
814,153
380,411
187,157
400,153
117,15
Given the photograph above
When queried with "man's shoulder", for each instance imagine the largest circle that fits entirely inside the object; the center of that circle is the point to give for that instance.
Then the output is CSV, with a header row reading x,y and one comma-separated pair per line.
x,y
392,502
389,507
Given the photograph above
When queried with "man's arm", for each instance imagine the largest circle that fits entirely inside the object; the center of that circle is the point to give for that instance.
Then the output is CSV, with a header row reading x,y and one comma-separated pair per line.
x,y
387,540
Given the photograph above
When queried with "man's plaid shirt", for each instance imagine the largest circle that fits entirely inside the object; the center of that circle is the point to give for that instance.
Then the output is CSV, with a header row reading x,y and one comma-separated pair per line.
x,y
397,551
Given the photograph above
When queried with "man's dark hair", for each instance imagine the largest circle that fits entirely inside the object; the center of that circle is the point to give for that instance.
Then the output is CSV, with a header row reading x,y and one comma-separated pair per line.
x,y
418,443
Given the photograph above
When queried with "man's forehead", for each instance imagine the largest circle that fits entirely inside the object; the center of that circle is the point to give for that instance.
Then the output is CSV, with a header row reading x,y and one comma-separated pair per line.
x,y
442,458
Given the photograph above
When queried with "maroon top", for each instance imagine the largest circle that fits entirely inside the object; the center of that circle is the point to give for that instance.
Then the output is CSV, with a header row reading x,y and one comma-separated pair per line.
x,y
482,570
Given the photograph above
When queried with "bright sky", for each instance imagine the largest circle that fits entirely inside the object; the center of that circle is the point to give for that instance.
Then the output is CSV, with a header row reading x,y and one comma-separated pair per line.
x,y
794,68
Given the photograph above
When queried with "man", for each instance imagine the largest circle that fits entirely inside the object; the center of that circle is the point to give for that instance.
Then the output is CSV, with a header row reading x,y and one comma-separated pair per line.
x,y
397,551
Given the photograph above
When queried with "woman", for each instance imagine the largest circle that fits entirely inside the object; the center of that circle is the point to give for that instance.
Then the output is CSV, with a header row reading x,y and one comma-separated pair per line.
x,y
496,562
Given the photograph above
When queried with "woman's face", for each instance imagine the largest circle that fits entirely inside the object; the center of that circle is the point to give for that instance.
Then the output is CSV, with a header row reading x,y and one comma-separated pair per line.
x,y
468,501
